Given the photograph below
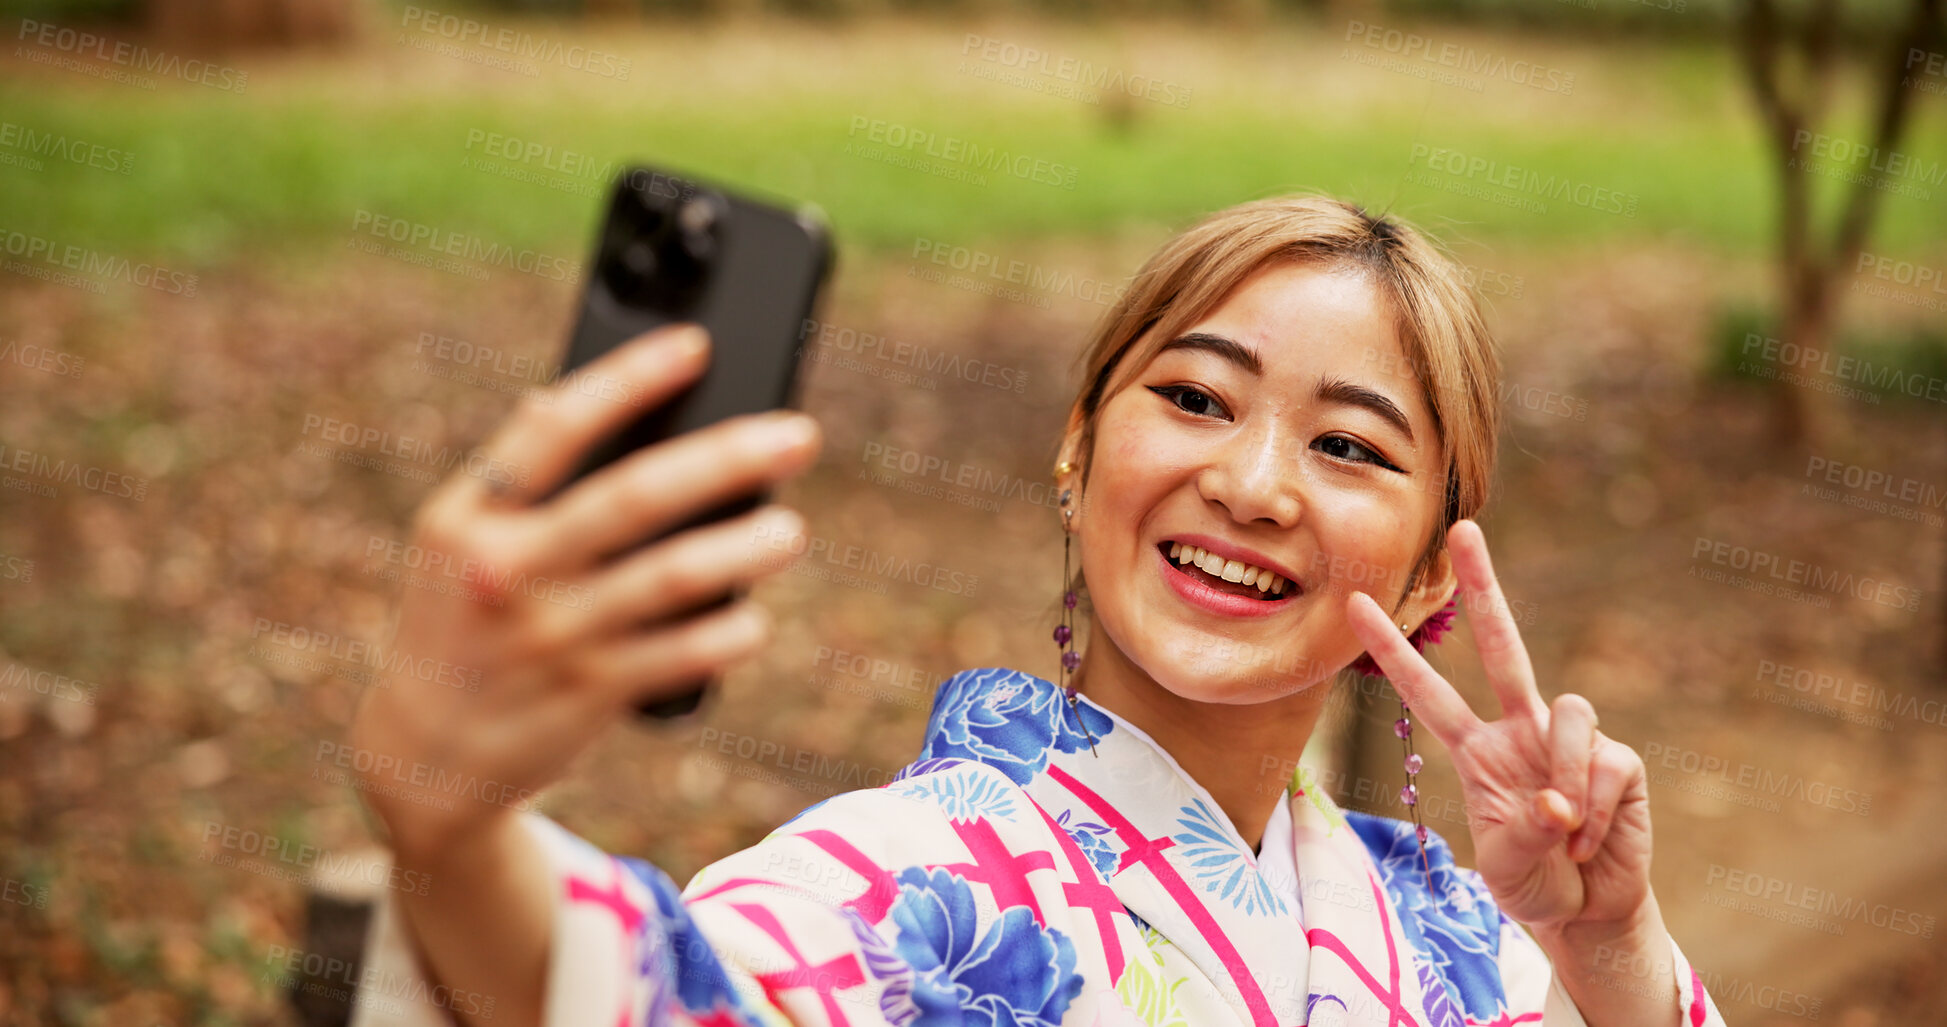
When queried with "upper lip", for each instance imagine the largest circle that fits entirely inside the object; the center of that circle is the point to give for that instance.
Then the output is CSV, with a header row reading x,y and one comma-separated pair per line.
x,y
1240,553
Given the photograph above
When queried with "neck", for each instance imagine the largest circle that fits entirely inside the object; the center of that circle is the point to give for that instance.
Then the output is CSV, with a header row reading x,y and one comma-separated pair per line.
x,y
1242,754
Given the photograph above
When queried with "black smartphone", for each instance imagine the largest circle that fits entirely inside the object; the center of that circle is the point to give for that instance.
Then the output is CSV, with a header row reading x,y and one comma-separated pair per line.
x,y
672,249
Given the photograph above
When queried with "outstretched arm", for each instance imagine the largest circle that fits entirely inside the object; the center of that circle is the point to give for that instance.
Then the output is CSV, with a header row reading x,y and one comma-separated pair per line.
x,y
855,913
596,939
554,620
484,925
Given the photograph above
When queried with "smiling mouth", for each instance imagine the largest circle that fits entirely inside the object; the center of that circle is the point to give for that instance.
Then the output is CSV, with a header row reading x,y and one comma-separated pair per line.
x,y
1196,563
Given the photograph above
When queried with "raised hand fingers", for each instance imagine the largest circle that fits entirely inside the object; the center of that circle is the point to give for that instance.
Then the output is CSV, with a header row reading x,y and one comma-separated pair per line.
x,y
1497,639
1615,768
549,435
1438,706
662,484
1571,745
635,668
694,565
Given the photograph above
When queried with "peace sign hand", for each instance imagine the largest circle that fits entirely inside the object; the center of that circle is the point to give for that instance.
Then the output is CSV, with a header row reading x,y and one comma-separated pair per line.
x,y
1559,812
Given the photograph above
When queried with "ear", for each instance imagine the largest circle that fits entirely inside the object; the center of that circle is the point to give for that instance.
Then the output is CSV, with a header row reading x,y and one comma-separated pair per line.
x,y
1071,451
1071,437
1436,587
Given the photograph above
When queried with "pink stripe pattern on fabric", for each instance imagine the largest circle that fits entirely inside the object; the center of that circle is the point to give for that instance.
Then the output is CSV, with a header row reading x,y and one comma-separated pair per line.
x,y
1085,894
1149,852
824,978
880,890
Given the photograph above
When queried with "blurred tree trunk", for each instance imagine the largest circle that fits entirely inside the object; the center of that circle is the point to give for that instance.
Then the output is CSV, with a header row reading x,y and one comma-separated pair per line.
x,y
1811,266
236,24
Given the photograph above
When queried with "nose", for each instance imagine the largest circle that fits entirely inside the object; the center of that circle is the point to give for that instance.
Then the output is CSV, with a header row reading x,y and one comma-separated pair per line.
x,y
1251,479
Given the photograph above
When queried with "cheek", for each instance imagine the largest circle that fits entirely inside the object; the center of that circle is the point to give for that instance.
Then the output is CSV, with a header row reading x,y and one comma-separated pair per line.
x,y
1364,545
1132,472
1122,436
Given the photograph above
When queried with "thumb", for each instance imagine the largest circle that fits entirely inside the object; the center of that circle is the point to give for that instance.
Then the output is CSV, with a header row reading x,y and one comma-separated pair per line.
x,y
1549,820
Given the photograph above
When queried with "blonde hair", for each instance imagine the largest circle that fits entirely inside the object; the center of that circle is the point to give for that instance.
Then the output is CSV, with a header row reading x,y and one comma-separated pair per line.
x,y
1435,315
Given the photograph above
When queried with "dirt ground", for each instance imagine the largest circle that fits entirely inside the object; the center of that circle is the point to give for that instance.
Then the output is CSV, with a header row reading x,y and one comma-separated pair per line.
x,y
177,611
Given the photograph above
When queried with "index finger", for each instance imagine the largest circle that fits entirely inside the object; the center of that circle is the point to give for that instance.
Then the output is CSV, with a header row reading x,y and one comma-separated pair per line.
x,y
1440,707
550,434
1496,638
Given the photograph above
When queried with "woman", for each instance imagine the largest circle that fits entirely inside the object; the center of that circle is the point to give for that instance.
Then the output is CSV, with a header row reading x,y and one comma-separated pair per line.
x,y
1285,427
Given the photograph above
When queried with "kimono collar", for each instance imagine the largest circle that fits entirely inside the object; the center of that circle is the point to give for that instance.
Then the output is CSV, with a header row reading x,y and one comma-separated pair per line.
x,y
1155,835
1174,860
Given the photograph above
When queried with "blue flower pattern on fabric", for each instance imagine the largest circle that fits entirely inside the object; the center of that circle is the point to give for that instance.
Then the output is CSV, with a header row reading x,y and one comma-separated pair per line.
x,y
1311,1003
1457,930
1014,974
1096,841
884,963
1435,1001
701,984
1008,720
924,766
963,797
1221,866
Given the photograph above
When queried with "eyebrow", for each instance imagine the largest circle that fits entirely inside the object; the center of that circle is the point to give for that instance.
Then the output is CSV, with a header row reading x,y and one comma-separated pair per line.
x,y
1229,349
1331,390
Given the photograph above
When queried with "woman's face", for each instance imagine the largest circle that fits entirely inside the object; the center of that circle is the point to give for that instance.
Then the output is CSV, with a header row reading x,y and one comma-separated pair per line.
x,y
1283,432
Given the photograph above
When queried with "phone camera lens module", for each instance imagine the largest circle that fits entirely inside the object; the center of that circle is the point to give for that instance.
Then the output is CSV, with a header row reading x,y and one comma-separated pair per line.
x,y
664,244
698,246
639,258
698,214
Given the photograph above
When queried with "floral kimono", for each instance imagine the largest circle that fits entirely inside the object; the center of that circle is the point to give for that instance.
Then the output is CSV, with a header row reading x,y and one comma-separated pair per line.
x,y
1011,878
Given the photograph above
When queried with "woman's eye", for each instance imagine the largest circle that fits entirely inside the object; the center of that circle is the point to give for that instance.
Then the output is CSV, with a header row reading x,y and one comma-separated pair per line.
x,y
1345,449
1200,399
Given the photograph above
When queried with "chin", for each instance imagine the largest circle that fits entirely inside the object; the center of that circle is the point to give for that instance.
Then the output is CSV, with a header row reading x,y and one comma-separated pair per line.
x,y
1210,664
1231,673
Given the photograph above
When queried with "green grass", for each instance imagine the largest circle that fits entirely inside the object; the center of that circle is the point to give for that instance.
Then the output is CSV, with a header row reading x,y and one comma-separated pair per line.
x,y
286,165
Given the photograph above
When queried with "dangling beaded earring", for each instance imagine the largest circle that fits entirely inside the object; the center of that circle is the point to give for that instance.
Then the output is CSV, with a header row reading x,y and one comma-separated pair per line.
x,y
1065,631
1410,795
1430,633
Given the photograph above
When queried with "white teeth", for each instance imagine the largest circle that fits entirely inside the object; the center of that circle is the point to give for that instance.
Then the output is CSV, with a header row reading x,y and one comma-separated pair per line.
x,y
1229,570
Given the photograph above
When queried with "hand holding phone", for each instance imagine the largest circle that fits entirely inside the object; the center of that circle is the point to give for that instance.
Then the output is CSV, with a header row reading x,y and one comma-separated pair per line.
x,y
508,680
674,249
616,569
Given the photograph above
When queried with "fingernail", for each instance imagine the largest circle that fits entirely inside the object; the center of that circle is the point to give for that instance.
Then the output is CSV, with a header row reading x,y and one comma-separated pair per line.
x,y
1551,808
793,430
752,625
783,521
690,341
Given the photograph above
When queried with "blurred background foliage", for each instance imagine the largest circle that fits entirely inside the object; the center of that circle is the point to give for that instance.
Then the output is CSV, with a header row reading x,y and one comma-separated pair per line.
x,y
1640,325
1861,21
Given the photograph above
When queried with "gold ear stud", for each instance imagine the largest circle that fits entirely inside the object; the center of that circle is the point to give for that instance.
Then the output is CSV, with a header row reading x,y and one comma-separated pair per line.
x,y
1063,468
